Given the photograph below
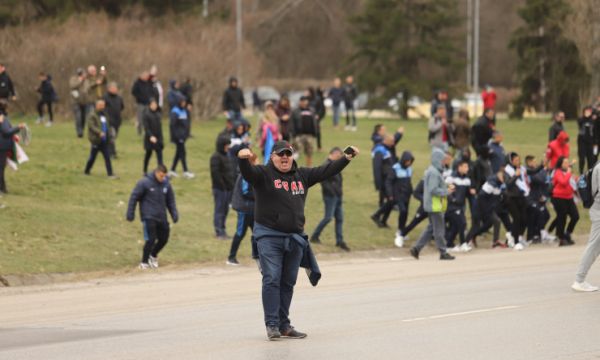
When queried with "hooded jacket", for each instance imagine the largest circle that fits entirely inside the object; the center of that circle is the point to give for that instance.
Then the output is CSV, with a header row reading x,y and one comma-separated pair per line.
x,y
46,90
179,125
538,184
382,162
497,156
462,183
143,91
561,182
174,96
434,187
489,196
233,98
398,183
222,167
152,127
280,197
516,186
481,133
7,133
154,198
557,148
242,199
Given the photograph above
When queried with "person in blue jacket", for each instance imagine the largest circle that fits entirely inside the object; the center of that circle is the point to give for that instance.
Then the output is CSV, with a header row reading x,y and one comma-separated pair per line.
x,y
156,196
180,131
382,160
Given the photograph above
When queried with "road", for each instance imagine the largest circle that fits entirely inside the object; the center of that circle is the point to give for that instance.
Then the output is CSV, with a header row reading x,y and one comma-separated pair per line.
x,y
490,304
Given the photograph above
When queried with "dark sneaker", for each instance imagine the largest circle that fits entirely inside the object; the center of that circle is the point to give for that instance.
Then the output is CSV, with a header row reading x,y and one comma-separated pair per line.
x,y
343,246
315,240
292,333
233,262
446,256
376,221
273,333
415,253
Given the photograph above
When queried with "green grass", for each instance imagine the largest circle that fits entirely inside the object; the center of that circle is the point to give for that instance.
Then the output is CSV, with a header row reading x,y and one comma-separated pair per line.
x,y
58,220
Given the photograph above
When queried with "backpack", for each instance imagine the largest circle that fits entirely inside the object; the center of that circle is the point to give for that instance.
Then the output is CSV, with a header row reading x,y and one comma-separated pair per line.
x,y
584,188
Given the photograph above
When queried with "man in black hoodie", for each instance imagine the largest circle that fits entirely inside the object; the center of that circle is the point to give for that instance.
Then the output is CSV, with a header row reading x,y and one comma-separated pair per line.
x,y
332,198
233,101
153,135
7,90
482,132
114,108
143,90
155,195
222,176
280,190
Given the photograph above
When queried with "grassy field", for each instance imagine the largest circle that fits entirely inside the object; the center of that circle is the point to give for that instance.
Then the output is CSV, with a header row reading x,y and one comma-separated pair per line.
x,y
56,219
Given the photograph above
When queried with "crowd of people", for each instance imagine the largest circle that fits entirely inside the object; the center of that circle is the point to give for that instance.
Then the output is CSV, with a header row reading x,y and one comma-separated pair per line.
x,y
498,186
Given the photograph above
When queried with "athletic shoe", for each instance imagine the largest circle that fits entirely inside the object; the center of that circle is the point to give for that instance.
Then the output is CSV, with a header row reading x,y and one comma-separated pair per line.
x,y
113,177
455,249
547,237
415,253
510,240
144,266
347,128
536,240
39,120
172,174
315,240
232,262
565,242
377,221
446,256
399,240
153,262
354,129
519,247
499,244
48,124
343,246
189,175
292,333
583,287
465,247
273,333
223,237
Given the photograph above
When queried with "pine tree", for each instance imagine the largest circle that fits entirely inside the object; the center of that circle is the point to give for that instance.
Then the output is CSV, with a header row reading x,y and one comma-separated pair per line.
x,y
550,71
396,40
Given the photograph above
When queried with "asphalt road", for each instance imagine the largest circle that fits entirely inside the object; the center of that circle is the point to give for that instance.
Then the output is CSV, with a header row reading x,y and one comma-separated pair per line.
x,y
485,305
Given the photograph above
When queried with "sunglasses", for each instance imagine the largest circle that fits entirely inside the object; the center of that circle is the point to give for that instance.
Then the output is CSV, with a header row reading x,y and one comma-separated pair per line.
x,y
285,152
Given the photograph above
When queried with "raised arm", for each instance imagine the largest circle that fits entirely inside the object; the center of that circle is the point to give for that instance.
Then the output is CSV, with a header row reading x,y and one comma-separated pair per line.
x,y
318,174
250,173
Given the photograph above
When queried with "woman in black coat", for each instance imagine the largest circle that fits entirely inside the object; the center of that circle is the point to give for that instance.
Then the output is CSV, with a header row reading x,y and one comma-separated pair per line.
x,y
153,136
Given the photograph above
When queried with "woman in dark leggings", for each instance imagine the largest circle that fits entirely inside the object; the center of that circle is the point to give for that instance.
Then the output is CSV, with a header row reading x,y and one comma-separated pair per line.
x,y
180,132
562,199
153,136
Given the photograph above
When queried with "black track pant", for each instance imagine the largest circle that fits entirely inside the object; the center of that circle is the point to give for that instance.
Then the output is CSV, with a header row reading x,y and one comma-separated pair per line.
x,y
585,150
159,157
40,109
456,223
564,208
419,217
517,207
180,155
156,235
245,221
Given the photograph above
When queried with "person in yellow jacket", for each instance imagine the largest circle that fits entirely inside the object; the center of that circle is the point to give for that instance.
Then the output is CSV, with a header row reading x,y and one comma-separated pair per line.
x,y
435,203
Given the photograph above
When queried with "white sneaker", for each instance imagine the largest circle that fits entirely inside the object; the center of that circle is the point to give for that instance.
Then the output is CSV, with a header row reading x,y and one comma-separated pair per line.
x,y
510,240
153,262
455,249
48,124
39,120
399,240
347,127
547,237
519,247
583,287
189,175
465,247
172,174
354,129
144,266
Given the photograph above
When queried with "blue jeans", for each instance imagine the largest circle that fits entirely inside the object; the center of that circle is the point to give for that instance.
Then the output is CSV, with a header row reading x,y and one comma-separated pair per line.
x,y
222,199
236,117
336,114
333,208
279,259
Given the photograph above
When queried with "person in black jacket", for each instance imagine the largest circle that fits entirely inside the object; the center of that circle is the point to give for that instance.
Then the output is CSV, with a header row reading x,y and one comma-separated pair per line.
x,y
420,214
398,185
488,200
47,96
586,139
222,177
153,135
305,128
557,125
156,196
350,95
517,190
7,133
143,90
7,89
455,217
482,132
280,190
233,101
114,108
179,125
382,161
536,201
332,198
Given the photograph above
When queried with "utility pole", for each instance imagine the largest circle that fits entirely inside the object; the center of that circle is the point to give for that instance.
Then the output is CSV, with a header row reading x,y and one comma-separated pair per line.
x,y
476,52
542,76
205,8
469,43
238,33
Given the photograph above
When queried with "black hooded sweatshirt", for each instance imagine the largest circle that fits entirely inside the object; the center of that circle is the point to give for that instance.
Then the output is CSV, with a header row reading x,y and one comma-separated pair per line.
x,y
280,197
222,167
233,98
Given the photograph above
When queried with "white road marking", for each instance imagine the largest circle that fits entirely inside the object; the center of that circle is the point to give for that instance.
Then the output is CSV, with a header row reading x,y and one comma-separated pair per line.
x,y
435,317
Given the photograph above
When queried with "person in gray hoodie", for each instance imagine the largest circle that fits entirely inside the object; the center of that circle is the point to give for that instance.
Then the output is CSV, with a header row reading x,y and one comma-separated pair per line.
x,y
592,250
435,201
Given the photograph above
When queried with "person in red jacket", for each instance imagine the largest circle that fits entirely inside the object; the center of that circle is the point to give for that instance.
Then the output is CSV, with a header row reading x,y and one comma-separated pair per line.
x,y
489,98
562,198
557,148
